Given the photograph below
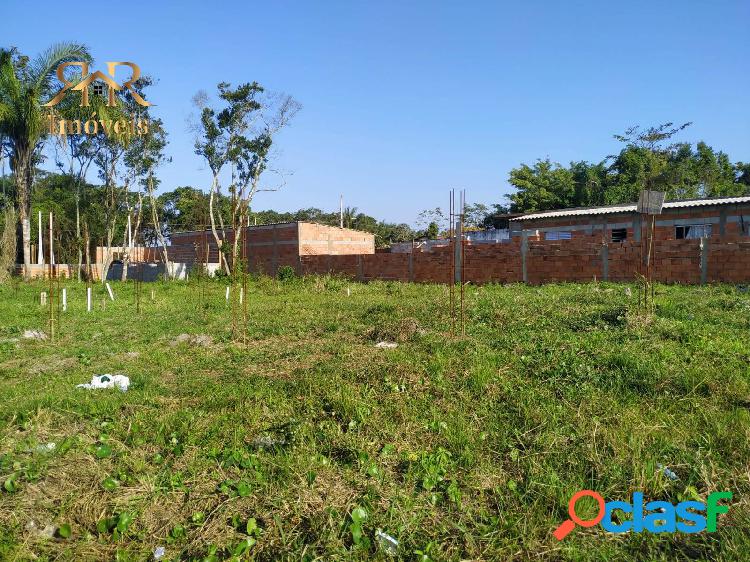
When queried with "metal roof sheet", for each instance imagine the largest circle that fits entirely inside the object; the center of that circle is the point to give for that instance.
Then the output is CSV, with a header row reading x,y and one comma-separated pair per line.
x,y
631,208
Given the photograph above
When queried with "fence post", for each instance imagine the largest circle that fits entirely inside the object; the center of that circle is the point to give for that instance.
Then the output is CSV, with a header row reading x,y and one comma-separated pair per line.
x,y
704,260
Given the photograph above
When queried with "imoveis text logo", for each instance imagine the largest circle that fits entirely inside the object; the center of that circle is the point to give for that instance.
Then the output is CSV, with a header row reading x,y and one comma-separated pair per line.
x,y
654,517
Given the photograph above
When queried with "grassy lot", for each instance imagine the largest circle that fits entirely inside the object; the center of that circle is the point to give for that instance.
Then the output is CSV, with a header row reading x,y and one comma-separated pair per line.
x,y
302,444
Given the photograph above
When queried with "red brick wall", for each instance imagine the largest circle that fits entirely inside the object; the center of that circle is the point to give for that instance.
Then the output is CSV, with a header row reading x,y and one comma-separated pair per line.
x,y
578,259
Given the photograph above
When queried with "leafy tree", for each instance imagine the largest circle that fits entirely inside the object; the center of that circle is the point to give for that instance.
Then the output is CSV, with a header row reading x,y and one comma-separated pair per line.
x,y
474,214
240,134
24,86
542,187
649,160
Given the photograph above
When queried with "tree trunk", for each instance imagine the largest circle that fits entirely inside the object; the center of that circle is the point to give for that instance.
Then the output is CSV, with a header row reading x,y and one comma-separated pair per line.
x,y
222,259
78,230
157,228
21,165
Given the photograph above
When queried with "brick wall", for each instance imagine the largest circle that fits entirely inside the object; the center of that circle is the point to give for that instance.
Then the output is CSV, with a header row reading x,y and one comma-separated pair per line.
x,y
673,261
589,254
63,271
318,239
269,247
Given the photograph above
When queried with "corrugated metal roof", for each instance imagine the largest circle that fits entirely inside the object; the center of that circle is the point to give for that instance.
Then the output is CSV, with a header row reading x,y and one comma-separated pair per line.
x,y
631,208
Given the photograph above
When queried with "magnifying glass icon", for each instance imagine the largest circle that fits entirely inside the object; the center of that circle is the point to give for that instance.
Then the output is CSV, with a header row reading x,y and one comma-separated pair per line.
x,y
569,524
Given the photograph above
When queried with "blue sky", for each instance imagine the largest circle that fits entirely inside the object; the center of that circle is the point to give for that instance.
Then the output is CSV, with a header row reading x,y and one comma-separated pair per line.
x,y
404,100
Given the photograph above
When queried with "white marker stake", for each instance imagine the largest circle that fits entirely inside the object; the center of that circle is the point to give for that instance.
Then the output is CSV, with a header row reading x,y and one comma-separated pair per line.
x,y
51,244
43,298
40,250
227,297
65,300
109,290
240,295
88,299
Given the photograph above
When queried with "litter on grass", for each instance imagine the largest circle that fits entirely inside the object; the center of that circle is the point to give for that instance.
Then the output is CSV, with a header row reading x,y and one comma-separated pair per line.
x,y
107,381
159,552
386,345
34,335
47,532
267,442
387,543
668,473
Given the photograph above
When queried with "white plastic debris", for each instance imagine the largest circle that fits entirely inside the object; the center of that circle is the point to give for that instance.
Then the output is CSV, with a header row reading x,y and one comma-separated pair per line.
x,y
387,543
159,552
628,292
47,532
46,447
267,442
386,345
107,381
34,335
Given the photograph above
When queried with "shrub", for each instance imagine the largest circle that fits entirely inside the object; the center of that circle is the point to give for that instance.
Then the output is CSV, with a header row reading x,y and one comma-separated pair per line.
x,y
286,273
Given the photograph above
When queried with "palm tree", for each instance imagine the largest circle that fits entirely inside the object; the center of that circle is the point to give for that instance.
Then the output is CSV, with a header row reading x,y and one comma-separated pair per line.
x,y
349,214
24,86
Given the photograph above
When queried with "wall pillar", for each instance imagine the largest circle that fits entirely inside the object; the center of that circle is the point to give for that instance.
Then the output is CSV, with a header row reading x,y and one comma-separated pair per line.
x,y
275,255
605,262
457,253
524,252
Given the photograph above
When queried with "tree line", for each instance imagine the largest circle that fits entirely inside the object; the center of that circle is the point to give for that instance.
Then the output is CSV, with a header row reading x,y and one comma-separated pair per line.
x,y
236,131
649,159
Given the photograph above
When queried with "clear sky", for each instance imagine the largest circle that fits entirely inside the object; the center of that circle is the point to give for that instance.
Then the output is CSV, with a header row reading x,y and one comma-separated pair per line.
x,y
404,100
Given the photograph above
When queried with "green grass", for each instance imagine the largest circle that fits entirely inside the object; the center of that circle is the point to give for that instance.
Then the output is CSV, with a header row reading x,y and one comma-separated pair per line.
x,y
304,442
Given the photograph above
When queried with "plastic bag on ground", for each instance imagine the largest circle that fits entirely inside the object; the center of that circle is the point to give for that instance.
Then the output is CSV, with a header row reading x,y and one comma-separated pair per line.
x,y
107,381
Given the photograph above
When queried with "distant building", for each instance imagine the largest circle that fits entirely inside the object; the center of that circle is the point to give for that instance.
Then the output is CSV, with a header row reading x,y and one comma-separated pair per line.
x,y
689,219
270,246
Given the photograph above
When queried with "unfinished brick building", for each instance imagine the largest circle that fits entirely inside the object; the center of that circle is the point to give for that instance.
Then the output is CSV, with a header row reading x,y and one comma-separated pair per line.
x,y
269,247
697,241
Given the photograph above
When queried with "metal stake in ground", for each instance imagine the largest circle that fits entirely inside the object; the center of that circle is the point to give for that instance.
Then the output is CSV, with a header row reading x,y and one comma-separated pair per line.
x,y
452,261
461,276
649,203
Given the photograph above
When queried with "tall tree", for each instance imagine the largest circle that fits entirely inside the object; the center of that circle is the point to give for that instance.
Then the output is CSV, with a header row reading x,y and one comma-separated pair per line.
x,y
240,134
24,87
542,187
